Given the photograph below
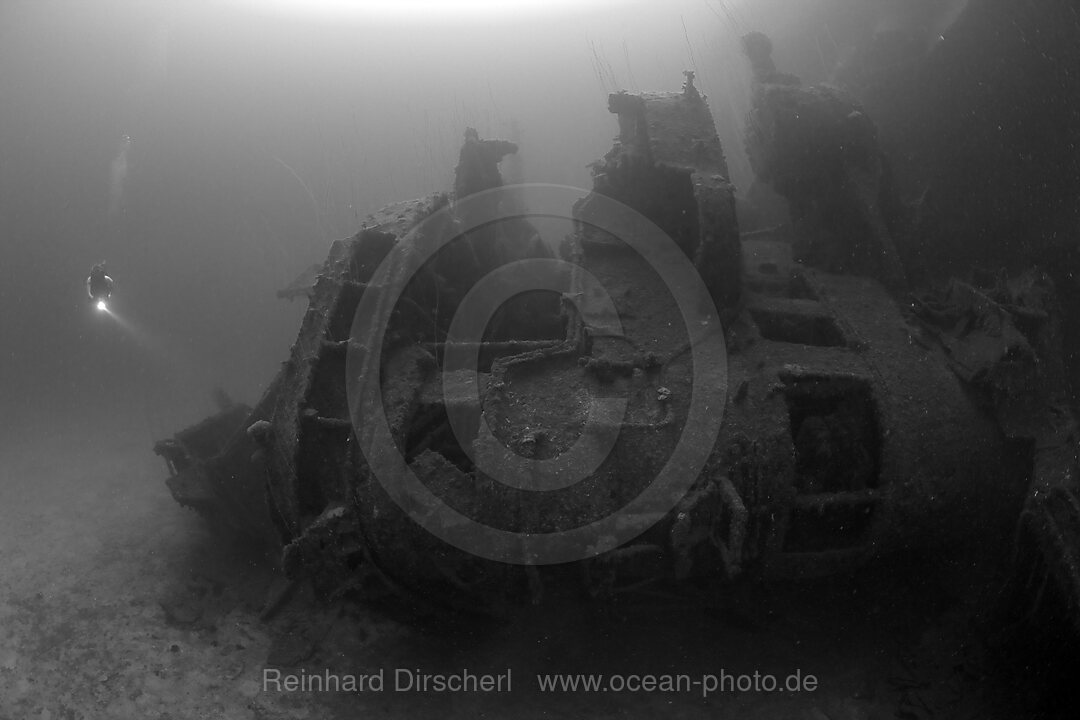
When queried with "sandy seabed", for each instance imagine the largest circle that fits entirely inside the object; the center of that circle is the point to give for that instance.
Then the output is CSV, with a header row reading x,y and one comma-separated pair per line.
x,y
117,603
97,566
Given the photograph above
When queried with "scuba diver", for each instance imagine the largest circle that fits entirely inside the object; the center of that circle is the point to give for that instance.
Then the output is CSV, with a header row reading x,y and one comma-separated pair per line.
x,y
99,286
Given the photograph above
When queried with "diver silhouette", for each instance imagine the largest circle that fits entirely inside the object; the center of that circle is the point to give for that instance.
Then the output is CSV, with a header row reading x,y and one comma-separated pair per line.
x,y
99,286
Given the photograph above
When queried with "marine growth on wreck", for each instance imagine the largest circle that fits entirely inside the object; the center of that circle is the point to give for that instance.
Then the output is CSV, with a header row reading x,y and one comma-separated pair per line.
x,y
849,418
539,359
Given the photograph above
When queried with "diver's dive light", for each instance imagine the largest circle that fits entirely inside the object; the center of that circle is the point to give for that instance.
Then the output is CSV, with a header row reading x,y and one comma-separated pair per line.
x,y
99,287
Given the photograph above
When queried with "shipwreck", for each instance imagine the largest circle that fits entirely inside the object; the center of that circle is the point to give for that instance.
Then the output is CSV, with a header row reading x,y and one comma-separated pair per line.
x,y
857,417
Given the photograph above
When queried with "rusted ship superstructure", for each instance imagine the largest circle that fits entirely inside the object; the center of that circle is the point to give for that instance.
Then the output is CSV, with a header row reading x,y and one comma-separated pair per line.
x,y
843,431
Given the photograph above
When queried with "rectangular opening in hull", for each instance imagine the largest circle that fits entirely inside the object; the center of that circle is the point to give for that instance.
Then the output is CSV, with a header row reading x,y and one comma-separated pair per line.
x,y
834,429
830,527
798,328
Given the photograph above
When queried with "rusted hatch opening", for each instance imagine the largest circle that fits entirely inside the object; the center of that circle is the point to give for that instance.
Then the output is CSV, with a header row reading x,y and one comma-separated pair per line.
x,y
835,526
770,278
798,328
834,428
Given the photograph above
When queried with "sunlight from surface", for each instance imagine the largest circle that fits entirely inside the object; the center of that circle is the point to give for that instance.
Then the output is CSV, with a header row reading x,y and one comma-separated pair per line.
x,y
430,10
